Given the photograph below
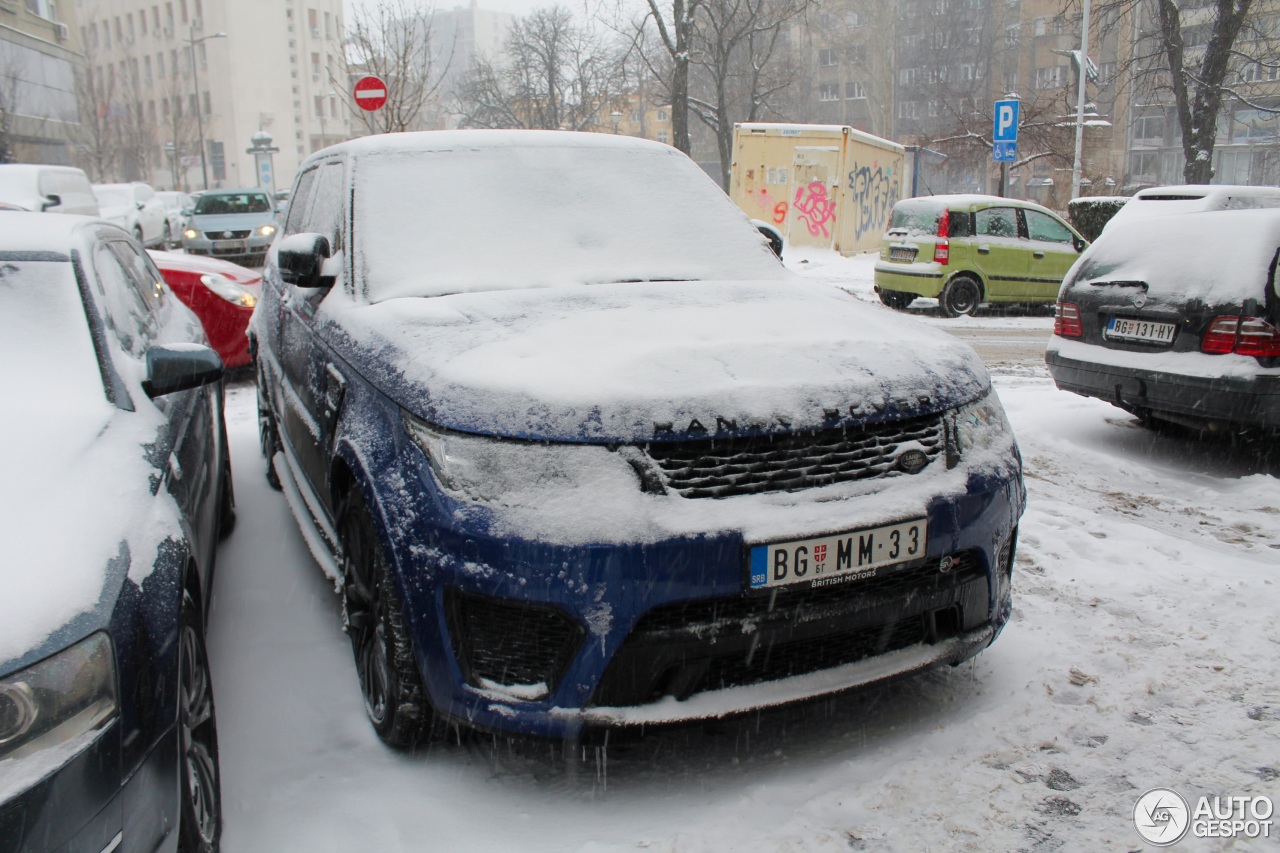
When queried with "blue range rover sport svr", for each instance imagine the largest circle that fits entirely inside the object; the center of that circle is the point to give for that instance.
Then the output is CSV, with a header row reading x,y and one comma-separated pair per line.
x,y
579,453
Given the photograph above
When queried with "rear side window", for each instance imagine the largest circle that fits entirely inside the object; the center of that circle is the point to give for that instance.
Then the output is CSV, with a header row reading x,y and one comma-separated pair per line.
x,y
916,217
996,222
960,224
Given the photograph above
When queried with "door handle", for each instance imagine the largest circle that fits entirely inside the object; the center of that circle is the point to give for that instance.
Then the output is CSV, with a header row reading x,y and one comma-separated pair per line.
x,y
1037,254
984,250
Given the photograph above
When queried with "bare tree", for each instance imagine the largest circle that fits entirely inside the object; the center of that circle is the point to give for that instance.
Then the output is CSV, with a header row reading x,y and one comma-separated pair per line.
x,y
737,47
1199,56
392,39
556,74
674,30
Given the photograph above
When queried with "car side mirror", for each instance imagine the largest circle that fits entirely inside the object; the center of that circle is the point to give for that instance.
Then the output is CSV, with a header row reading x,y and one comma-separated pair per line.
x,y
51,200
301,257
771,235
140,205
1080,243
177,367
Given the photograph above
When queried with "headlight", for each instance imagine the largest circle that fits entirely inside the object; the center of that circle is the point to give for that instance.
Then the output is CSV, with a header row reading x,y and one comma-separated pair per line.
x,y
506,471
982,425
230,290
191,233
267,230
57,700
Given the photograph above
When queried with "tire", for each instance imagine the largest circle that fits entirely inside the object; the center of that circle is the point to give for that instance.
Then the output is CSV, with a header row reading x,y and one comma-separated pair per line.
x,y
394,698
961,297
896,299
200,819
227,499
268,435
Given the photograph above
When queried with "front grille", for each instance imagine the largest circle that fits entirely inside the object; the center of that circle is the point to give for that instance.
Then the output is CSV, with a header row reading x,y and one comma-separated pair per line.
x,y
228,235
688,647
510,643
720,468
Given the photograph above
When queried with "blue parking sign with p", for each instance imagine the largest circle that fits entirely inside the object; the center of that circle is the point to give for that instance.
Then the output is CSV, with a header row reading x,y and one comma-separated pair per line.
x,y
1006,122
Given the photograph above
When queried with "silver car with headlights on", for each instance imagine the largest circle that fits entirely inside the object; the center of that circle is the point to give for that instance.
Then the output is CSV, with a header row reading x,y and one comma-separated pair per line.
x,y
237,225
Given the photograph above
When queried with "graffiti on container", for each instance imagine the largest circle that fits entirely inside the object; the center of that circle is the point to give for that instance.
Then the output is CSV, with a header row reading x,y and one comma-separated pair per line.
x,y
815,208
873,191
780,213
768,204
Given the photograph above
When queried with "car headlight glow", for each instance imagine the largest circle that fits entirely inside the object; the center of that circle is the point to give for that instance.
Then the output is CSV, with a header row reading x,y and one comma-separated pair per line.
x,y
57,700
505,471
191,233
267,230
982,425
229,290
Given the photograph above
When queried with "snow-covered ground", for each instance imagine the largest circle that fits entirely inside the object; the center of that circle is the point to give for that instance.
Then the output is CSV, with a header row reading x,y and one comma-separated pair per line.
x,y
1142,653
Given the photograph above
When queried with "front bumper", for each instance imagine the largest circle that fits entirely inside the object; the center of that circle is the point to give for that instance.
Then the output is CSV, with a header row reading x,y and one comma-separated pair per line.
x,y
83,807
250,251
1241,398
550,640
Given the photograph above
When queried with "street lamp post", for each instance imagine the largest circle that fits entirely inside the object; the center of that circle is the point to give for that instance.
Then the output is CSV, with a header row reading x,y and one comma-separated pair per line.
x,y
195,82
1081,77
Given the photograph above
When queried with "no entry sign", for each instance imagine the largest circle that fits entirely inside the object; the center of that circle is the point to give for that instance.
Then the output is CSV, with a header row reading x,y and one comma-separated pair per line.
x,y
371,93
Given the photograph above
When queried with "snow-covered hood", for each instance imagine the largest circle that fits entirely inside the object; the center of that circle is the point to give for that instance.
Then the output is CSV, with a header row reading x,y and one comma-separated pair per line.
x,y
634,361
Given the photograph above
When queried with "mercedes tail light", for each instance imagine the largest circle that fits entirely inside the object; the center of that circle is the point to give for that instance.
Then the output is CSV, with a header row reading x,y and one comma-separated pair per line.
x,y
1066,320
1243,336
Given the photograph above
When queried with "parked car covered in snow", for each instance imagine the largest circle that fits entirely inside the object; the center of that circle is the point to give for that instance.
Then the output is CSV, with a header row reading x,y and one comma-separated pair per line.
x,y
580,452
222,294
53,189
175,203
1177,318
117,485
135,208
969,249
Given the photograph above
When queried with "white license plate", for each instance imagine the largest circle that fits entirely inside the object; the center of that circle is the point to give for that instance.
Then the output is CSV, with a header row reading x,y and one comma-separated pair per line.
x,y
1120,328
229,245
840,557
902,253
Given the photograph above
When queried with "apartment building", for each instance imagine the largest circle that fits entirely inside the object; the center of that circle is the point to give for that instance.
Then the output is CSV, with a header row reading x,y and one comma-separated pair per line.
x,y
460,37
163,75
39,60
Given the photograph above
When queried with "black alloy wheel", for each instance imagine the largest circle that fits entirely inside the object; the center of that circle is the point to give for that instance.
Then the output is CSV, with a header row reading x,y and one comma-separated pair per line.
x,y
200,824
961,297
268,436
897,299
394,698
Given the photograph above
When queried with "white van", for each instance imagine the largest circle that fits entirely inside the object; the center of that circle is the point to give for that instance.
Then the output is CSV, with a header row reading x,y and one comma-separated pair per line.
x,y
56,189
1190,198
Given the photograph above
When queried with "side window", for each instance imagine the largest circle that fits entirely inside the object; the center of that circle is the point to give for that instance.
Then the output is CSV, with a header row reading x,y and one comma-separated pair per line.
x,y
147,279
1042,227
327,208
127,312
996,222
959,224
300,202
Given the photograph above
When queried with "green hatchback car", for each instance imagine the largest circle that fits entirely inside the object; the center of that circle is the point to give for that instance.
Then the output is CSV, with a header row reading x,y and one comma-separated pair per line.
x,y
969,249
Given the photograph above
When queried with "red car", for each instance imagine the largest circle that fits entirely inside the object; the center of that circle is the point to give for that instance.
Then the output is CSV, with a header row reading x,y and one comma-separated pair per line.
x,y
221,293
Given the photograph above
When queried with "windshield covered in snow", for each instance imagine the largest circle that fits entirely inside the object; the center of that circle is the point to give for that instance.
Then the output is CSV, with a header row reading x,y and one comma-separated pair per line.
x,y
114,196
498,217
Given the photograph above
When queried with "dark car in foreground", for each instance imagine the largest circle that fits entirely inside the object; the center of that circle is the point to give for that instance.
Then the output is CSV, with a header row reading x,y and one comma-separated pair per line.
x,y
235,225
607,463
1177,319
222,294
117,485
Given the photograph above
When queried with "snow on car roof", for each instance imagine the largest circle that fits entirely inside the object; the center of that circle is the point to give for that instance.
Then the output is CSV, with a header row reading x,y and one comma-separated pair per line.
x,y
1219,256
449,212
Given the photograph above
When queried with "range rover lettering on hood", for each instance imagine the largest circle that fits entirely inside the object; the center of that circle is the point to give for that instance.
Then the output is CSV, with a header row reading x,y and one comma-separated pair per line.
x,y
832,417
